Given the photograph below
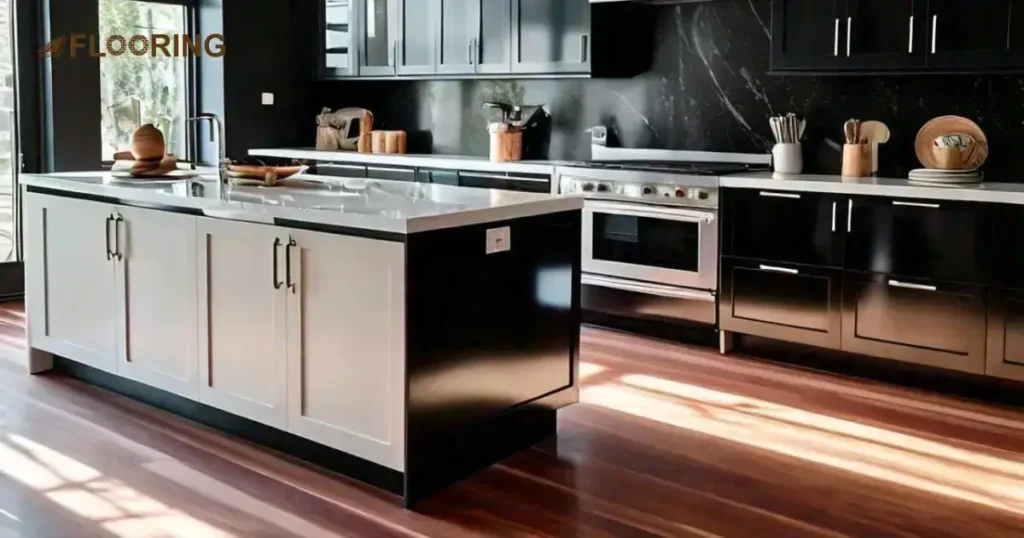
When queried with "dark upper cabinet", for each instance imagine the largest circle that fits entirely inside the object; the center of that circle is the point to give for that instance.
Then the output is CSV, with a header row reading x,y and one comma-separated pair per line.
x,y
805,34
921,321
976,35
883,34
795,227
940,240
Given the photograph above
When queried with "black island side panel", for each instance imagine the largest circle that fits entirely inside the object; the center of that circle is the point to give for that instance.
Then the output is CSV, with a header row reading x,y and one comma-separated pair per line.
x,y
492,344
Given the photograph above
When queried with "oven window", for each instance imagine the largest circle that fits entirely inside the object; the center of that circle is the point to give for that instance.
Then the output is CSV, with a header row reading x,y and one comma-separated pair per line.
x,y
647,241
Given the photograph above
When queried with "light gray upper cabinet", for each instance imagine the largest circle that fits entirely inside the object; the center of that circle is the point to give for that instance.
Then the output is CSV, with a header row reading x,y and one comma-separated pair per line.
x,y
339,38
417,42
459,28
378,37
493,54
550,36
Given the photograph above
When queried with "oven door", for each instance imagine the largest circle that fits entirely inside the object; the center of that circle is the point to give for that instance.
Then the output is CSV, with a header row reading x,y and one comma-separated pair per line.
x,y
666,245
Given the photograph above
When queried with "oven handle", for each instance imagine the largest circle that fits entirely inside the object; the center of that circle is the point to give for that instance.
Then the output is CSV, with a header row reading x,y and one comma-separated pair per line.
x,y
649,289
628,210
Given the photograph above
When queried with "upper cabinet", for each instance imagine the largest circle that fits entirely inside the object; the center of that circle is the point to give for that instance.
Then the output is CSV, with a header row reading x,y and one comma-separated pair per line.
x,y
378,36
475,37
899,36
339,39
550,36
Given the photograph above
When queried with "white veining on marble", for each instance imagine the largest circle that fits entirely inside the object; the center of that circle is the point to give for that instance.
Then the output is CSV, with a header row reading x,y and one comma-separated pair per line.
x,y
635,111
764,27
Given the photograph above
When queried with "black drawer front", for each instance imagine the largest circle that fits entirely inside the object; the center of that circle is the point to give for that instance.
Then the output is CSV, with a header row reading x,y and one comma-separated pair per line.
x,y
1006,238
1004,354
939,240
787,302
921,321
440,177
520,183
795,227
341,170
391,173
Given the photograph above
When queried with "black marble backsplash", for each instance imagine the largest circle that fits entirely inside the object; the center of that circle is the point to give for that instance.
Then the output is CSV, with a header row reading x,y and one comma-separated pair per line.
x,y
708,90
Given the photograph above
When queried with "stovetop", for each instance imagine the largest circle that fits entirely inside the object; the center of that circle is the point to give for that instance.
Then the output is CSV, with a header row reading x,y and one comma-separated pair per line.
x,y
673,167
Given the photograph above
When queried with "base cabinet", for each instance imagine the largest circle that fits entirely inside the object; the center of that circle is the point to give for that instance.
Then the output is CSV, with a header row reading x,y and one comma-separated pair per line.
x,y
1005,350
926,322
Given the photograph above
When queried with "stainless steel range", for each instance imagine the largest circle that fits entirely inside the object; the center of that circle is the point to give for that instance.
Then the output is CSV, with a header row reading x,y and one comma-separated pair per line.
x,y
650,231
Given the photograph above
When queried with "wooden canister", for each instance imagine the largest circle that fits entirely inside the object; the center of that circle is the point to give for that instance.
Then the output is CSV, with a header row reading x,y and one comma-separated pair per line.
x,y
389,142
506,143
856,160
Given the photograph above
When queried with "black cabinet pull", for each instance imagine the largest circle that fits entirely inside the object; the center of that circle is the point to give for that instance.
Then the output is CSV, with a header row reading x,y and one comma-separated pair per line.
x,y
288,263
106,233
277,245
117,237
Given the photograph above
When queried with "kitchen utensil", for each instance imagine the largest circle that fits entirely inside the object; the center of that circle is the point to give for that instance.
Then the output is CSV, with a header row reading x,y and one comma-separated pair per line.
x,y
505,108
787,129
269,175
856,158
342,129
506,142
788,158
874,133
945,125
954,151
148,143
851,130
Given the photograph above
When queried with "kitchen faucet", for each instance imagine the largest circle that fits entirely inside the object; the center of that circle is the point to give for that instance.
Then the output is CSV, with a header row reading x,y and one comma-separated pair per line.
x,y
217,130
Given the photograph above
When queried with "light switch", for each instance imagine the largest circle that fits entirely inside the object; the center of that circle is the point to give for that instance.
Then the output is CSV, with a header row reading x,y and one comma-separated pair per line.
x,y
499,240
268,99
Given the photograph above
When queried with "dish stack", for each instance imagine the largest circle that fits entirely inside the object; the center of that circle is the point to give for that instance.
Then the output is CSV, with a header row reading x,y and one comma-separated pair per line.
x,y
952,150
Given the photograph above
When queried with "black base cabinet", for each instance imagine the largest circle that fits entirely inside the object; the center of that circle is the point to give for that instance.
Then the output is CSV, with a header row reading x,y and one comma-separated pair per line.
x,y
1005,350
921,321
790,302
795,227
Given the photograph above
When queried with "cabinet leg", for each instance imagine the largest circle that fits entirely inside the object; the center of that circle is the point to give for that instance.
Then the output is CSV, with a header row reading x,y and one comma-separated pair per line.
x,y
726,341
39,361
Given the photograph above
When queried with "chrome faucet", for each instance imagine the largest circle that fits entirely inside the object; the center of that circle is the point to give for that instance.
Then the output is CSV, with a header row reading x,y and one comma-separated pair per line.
x,y
217,130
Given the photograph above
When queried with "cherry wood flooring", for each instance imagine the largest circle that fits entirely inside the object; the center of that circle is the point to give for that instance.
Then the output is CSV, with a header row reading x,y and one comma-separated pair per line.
x,y
670,440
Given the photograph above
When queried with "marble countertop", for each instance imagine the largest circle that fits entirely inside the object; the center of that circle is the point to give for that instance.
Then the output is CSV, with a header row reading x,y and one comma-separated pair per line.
x,y
375,205
452,162
1006,193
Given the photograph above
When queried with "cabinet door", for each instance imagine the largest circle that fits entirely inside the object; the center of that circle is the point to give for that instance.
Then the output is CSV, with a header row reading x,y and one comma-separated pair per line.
x,y
976,35
70,289
346,344
551,36
796,227
1004,355
458,28
918,238
884,34
338,43
920,321
417,42
806,34
782,301
242,314
378,37
493,54
155,270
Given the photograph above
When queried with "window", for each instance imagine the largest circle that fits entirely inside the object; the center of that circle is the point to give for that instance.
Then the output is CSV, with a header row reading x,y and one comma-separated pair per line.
x,y
152,88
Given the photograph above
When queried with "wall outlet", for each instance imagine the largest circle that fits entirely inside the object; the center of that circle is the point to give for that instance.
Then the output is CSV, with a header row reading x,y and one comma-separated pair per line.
x,y
499,240
268,99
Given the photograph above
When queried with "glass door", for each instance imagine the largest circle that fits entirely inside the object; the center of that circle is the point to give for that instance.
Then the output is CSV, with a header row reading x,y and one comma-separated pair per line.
x,y
11,269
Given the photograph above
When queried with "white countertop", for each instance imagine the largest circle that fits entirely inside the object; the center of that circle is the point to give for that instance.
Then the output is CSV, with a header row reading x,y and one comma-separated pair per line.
x,y
452,162
382,206
1006,193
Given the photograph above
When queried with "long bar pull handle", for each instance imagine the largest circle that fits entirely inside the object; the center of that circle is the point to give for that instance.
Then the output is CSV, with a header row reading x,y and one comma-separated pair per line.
x,y
834,216
935,25
909,286
917,204
118,253
472,60
835,43
775,269
277,246
910,48
779,195
106,233
849,217
584,41
288,263
849,25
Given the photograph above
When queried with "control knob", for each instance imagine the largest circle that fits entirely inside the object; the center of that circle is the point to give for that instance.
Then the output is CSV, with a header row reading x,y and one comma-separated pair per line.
x,y
647,190
602,187
588,187
680,193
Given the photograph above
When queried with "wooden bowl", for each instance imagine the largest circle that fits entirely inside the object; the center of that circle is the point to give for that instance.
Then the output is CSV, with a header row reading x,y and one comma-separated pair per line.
x,y
944,125
148,143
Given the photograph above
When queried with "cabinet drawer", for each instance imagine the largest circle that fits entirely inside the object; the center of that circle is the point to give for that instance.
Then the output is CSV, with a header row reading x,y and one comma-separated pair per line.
x,y
341,170
391,173
932,239
795,227
786,302
920,321
1005,351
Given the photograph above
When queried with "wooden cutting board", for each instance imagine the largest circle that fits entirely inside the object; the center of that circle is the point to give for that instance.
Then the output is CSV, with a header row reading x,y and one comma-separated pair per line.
x,y
937,127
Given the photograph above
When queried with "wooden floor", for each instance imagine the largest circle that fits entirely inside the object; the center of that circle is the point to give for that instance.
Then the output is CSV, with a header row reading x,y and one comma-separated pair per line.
x,y
669,441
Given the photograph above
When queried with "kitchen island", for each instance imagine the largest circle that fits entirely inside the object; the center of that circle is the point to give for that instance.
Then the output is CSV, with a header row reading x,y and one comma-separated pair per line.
x,y
402,334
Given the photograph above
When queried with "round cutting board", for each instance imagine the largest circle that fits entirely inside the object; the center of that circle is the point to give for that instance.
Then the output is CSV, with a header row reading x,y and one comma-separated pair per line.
x,y
937,127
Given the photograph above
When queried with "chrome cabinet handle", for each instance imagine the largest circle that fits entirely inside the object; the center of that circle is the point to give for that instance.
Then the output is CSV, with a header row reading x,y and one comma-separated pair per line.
x,y
106,233
834,216
835,44
583,48
910,286
849,24
288,263
935,25
775,269
118,253
849,217
471,51
916,204
910,48
779,195
277,245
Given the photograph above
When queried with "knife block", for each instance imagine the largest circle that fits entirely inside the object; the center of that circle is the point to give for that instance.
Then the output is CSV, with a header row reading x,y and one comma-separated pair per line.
x,y
506,143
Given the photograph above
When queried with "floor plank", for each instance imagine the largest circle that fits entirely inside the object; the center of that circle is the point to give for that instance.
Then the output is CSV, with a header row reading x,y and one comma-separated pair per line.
x,y
669,440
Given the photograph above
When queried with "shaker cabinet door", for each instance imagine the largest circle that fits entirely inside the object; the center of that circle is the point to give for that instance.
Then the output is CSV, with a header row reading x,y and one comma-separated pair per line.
x,y
459,32
338,38
417,39
1005,350
976,35
884,34
378,37
493,47
806,35
795,227
551,36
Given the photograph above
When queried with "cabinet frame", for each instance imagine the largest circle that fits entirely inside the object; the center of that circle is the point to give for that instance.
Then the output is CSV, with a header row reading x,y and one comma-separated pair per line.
x,y
521,67
353,54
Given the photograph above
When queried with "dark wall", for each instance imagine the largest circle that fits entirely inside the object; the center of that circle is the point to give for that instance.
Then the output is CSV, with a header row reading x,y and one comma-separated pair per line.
x,y
708,90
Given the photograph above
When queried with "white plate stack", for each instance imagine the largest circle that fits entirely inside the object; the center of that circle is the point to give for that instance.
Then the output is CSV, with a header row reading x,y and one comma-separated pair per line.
x,y
946,177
